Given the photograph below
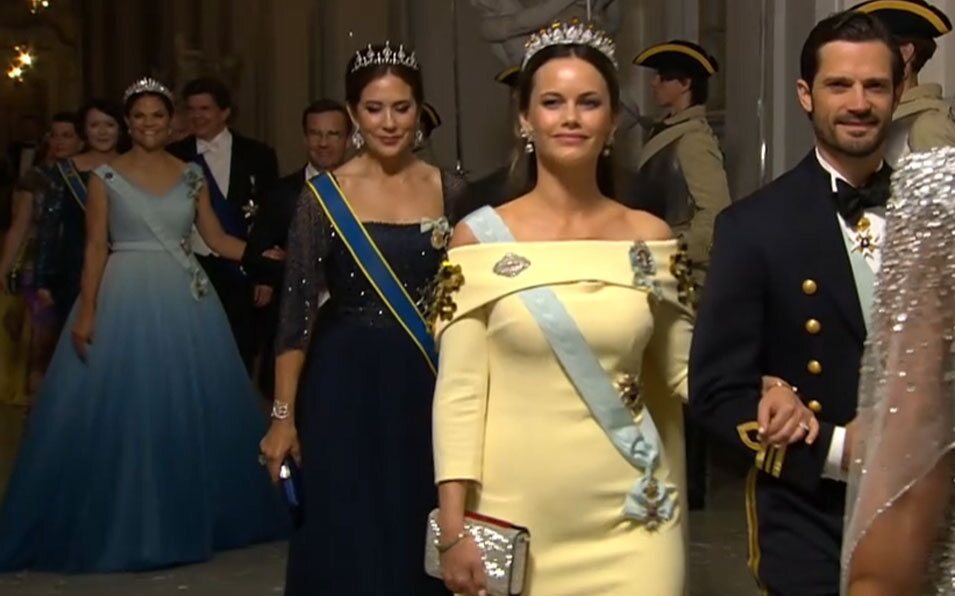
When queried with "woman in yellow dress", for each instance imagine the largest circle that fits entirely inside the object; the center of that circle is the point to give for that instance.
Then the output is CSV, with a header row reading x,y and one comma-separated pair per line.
x,y
568,310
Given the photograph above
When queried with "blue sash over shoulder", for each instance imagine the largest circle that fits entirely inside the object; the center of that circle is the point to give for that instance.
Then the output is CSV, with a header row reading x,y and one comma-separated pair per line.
x,y
230,216
373,264
649,501
73,181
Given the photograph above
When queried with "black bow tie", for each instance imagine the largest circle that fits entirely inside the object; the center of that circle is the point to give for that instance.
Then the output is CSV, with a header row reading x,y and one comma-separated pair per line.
x,y
852,201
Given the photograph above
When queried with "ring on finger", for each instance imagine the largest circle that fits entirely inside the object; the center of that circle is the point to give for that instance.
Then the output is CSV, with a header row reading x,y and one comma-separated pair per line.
x,y
262,460
804,426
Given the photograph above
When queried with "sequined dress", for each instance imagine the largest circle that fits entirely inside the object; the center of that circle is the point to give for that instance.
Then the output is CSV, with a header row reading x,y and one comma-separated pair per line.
x,y
145,456
61,240
363,411
906,418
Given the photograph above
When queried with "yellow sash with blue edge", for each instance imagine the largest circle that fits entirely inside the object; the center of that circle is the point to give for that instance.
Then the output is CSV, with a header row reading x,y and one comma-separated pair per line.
x,y
73,181
373,264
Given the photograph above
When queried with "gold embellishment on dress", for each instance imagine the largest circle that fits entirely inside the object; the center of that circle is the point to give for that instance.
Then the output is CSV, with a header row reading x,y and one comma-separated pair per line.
x,y
511,265
441,306
865,242
681,267
629,390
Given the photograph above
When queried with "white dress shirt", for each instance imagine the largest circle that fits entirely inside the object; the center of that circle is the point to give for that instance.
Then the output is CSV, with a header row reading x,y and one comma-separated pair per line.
x,y
311,171
218,156
833,467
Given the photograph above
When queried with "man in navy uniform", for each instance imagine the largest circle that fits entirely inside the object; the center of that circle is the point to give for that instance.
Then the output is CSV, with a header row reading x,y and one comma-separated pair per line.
x,y
788,295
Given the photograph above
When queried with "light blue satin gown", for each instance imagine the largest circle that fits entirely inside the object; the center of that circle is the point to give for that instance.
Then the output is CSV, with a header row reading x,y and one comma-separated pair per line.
x,y
146,455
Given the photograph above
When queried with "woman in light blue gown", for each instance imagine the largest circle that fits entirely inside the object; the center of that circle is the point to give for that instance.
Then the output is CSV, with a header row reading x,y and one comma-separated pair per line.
x,y
142,449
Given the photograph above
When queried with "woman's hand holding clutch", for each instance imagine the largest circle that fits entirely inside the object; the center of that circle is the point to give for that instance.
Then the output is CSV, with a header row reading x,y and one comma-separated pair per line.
x,y
279,442
462,564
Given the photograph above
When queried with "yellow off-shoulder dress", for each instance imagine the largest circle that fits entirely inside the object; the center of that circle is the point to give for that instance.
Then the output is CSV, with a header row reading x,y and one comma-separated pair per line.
x,y
507,417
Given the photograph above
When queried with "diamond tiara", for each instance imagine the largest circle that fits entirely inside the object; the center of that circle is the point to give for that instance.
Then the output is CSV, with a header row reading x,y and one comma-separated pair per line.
x,y
572,33
147,85
387,55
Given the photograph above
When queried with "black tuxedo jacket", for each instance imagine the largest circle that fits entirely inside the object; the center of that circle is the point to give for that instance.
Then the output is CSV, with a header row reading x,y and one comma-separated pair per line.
x,y
271,229
254,167
780,299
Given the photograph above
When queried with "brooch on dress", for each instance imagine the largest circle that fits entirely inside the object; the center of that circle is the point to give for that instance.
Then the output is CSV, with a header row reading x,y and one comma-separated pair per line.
x,y
511,265
441,304
440,231
194,181
644,268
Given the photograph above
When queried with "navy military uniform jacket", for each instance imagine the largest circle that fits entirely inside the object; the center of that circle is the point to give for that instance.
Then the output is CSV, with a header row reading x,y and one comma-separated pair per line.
x,y
781,300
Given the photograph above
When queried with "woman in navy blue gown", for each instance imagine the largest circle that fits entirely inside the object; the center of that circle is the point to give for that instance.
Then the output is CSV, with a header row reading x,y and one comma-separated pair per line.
x,y
141,450
353,391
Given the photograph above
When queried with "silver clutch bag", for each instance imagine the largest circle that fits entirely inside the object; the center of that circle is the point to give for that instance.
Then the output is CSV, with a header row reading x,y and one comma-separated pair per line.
x,y
504,546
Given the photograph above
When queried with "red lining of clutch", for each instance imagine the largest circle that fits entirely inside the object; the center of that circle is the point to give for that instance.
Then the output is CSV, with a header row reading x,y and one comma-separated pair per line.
x,y
491,520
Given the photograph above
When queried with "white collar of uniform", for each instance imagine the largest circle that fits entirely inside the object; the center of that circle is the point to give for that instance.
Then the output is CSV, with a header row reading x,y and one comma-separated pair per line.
x,y
221,142
311,171
834,175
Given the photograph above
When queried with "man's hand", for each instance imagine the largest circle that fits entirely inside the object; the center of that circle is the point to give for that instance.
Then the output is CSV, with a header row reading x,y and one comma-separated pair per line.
x,y
262,295
783,418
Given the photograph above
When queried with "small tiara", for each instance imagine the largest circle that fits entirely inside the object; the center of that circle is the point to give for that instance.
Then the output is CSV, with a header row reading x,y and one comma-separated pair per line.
x,y
386,55
147,85
572,33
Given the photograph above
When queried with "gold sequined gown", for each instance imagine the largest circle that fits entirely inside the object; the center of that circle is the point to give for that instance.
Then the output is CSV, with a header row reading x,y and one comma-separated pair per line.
x,y
507,417
906,418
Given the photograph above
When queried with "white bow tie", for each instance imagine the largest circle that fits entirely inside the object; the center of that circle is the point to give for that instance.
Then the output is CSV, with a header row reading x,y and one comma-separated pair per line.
x,y
207,146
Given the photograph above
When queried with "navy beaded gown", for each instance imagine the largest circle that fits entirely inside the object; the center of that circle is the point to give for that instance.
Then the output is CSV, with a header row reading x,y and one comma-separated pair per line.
x,y
61,241
363,411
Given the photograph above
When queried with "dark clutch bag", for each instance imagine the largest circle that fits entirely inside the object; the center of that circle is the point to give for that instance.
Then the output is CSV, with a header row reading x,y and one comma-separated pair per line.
x,y
290,481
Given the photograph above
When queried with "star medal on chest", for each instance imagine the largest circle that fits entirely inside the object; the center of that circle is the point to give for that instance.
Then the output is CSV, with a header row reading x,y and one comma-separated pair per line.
x,y
250,209
866,242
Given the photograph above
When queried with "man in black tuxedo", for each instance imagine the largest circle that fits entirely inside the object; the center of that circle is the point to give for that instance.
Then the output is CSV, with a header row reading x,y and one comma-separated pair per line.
x,y
238,169
786,306
326,128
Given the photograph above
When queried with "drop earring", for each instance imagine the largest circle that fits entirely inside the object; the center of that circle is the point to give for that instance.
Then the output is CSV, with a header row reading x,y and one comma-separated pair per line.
x,y
357,140
528,142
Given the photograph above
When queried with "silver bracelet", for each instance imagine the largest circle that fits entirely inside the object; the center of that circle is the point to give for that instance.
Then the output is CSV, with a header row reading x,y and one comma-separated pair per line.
x,y
280,410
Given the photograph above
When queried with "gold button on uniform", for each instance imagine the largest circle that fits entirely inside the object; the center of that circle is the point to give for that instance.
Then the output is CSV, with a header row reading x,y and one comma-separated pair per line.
x,y
814,367
809,287
813,327
815,406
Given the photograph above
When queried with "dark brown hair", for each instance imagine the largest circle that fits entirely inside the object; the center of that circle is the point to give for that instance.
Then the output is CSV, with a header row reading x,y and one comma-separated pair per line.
x,y
852,26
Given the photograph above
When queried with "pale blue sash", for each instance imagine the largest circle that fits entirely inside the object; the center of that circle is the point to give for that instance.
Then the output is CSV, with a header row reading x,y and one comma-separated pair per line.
x,y
649,501
864,278
178,249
